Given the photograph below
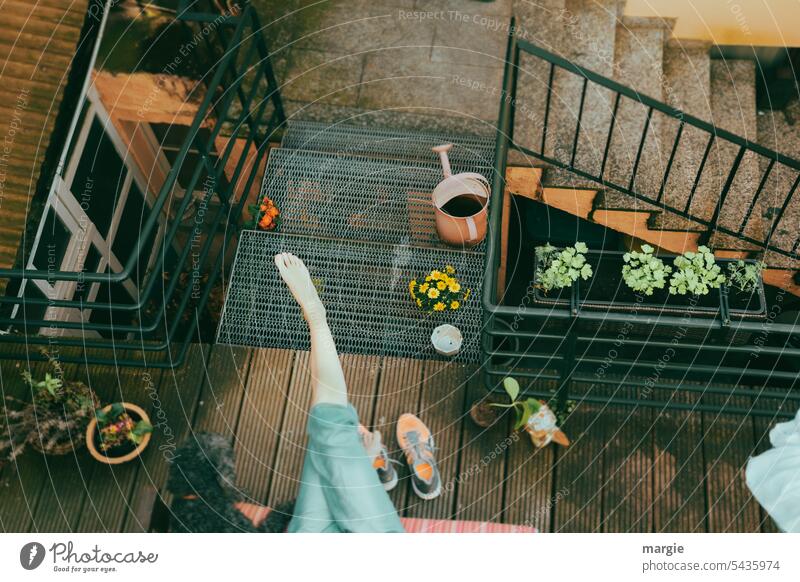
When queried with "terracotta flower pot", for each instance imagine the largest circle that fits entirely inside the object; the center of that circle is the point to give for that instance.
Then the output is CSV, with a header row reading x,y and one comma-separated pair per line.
x,y
484,415
92,438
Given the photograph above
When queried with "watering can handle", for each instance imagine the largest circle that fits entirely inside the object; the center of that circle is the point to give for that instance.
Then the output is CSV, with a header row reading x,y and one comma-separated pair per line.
x,y
442,151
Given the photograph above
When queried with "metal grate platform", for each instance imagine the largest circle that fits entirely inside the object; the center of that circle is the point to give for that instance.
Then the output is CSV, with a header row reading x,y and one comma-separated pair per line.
x,y
409,145
356,197
364,287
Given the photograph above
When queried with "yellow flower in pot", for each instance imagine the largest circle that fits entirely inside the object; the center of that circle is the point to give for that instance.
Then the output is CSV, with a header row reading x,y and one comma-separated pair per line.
x,y
439,292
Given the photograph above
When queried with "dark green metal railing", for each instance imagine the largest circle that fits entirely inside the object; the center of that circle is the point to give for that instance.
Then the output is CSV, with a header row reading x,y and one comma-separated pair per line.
x,y
747,366
242,98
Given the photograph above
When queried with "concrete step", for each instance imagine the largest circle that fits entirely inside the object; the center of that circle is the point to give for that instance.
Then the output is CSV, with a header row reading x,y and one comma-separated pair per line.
x,y
778,131
374,141
586,37
686,86
591,38
733,104
542,23
639,54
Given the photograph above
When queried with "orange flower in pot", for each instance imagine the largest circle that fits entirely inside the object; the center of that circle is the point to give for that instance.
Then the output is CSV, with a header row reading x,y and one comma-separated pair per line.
x,y
265,214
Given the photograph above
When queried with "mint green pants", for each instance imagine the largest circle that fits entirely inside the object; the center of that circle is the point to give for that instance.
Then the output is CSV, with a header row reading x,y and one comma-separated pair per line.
x,y
339,489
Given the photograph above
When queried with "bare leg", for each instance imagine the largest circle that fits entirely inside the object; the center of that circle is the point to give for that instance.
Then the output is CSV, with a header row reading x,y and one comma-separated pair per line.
x,y
327,377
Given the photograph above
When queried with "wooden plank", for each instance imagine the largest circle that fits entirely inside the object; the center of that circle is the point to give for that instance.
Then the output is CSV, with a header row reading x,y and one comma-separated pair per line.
x,y
171,415
441,408
728,444
223,390
479,484
504,233
64,492
260,422
110,488
579,470
292,443
679,503
399,391
628,469
763,425
361,375
22,479
529,482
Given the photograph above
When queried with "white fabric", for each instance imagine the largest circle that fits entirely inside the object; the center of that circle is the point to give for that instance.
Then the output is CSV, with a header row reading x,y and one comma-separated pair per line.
x,y
774,476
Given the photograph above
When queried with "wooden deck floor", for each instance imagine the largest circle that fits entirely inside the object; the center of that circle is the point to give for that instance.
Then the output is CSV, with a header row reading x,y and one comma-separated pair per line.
x,y
625,471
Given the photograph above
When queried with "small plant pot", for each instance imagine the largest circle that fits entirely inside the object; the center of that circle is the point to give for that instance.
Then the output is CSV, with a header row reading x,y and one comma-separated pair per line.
x,y
124,453
447,340
73,442
483,414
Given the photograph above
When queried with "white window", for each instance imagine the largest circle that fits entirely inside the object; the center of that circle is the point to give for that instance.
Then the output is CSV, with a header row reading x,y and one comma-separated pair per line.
x,y
93,219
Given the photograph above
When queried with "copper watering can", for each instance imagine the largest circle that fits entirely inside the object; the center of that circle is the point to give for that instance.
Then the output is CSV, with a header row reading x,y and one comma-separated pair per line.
x,y
460,204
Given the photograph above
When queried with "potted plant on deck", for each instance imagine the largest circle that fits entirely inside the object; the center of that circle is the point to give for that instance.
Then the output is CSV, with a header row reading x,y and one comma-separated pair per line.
x,y
52,422
533,416
118,433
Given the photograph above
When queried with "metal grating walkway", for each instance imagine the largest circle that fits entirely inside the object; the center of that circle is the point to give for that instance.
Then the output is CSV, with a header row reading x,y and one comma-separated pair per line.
x,y
411,146
364,287
356,197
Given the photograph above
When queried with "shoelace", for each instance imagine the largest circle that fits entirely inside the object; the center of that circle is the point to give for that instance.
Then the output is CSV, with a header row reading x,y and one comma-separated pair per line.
x,y
420,448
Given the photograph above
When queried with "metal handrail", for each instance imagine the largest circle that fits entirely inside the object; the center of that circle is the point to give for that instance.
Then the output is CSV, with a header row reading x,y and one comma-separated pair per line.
x,y
245,28
653,103
561,363
716,136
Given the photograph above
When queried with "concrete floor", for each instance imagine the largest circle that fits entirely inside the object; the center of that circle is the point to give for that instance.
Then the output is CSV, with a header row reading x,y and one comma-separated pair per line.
x,y
410,62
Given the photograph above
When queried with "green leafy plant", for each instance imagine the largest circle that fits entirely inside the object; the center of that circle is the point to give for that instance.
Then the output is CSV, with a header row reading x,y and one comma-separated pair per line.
x,y
53,421
744,276
562,412
696,273
557,269
116,426
523,409
644,272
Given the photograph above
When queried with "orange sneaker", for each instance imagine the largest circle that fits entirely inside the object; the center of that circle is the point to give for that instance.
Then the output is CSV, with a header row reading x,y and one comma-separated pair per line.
x,y
417,443
379,454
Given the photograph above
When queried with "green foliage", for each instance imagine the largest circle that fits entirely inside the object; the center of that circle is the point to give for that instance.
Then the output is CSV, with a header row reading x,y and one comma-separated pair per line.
x,y
696,273
558,269
50,383
55,416
644,272
744,276
523,409
115,427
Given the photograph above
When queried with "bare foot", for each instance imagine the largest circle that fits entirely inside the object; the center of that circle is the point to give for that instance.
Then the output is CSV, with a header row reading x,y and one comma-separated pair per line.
x,y
297,278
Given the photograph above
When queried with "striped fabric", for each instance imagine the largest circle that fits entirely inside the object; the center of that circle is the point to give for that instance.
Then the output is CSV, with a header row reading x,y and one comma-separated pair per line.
x,y
258,513
419,525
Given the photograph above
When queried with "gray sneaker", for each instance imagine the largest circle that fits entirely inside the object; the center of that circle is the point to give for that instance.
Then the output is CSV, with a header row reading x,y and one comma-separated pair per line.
x,y
379,455
417,443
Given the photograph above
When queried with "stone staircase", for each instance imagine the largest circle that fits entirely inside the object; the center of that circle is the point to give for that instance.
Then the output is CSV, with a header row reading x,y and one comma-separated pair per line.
x,y
641,53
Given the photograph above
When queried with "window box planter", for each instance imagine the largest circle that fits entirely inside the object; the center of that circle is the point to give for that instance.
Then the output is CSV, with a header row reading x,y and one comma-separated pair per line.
x,y
606,290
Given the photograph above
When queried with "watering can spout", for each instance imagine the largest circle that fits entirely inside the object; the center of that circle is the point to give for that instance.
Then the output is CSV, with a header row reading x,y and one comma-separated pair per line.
x,y
442,151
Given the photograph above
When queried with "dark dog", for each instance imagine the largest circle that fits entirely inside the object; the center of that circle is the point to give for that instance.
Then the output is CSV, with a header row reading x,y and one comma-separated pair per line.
x,y
202,479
